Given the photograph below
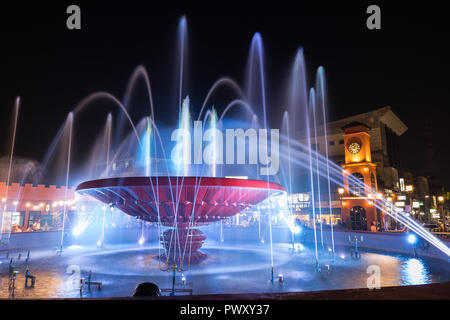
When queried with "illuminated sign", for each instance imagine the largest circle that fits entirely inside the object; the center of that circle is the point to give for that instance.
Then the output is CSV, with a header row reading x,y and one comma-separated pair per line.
x,y
401,197
416,204
432,210
400,204
435,215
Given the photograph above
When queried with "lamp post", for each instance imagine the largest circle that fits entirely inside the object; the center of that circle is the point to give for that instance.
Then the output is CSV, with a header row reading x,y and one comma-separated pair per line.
x,y
409,189
340,194
441,201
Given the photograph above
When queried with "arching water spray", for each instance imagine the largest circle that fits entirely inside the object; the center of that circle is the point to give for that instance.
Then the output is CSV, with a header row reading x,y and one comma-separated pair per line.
x,y
182,34
311,175
289,174
256,94
182,158
108,140
316,143
69,150
214,141
322,98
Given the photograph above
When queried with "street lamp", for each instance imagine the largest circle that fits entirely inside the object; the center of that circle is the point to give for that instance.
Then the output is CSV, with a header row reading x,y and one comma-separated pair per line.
x,y
409,188
441,198
341,191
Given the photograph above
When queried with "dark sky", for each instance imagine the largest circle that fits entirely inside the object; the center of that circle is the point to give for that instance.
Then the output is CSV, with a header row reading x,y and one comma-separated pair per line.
x,y
405,65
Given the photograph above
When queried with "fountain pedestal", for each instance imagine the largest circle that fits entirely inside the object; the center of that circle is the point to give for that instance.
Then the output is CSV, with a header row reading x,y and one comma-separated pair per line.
x,y
182,246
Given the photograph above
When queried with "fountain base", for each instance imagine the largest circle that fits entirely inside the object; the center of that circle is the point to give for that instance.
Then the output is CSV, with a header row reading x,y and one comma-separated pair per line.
x,y
194,258
182,246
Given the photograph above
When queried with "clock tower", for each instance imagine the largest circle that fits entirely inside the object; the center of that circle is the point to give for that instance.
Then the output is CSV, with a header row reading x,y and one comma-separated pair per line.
x,y
360,179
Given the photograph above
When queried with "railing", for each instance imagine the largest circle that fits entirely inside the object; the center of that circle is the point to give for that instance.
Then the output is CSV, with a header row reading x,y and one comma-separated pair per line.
x,y
445,235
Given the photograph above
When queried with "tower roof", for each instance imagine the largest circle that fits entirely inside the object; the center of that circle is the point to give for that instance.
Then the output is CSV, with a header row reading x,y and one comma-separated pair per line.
x,y
355,126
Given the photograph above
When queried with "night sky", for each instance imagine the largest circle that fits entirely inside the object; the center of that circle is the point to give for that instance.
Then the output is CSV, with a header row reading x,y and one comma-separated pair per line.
x,y
405,64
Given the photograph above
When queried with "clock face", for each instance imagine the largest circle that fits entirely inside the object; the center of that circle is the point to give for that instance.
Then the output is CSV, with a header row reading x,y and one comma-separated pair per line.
x,y
354,147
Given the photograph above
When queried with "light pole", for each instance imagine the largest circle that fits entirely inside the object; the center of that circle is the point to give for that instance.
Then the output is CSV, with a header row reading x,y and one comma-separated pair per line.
x,y
409,189
441,201
340,194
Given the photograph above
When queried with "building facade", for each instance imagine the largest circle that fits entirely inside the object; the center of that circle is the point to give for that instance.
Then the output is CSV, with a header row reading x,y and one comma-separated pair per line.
x,y
360,180
385,128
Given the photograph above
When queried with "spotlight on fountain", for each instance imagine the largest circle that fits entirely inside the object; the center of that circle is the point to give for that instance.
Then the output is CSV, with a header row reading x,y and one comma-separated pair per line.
x,y
141,241
280,278
412,239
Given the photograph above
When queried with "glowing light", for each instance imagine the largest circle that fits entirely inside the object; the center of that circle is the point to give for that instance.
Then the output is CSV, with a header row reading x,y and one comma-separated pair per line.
x,y
297,229
16,203
99,244
342,256
409,188
3,199
389,199
341,190
370,196
280,278
441,199
366,169
412,239
27,205
379,196
141,241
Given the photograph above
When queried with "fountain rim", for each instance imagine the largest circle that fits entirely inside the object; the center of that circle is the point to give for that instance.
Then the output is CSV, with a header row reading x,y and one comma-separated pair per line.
x,y
161,181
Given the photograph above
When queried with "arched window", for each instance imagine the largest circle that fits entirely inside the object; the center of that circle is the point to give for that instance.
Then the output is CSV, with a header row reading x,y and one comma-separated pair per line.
x,y
356,184
372,182
358,218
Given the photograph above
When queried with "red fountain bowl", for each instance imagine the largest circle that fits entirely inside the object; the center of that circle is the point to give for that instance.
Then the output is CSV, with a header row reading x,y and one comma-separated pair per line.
x,y
174,198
